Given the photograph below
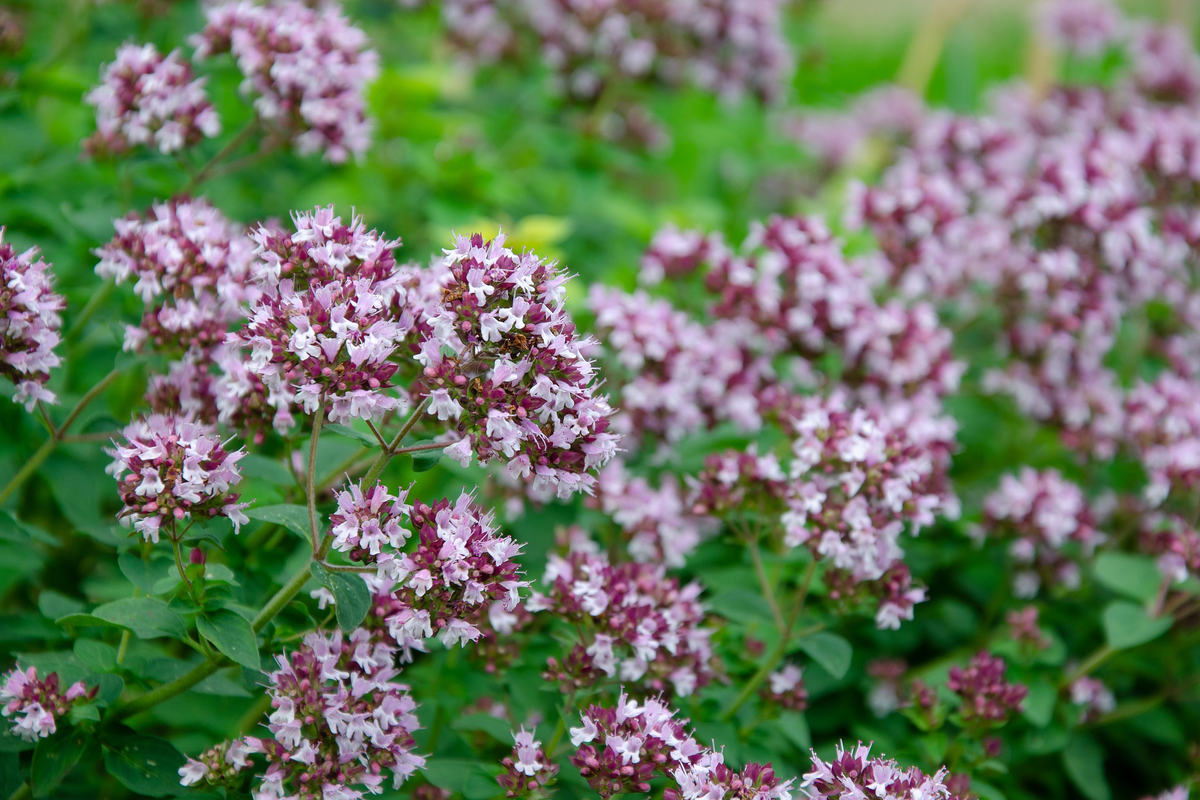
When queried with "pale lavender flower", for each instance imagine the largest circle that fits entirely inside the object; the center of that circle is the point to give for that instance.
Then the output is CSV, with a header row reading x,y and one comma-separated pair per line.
x,y
145,98
308,67
29,324
170,470
1085,27
36,704
853,775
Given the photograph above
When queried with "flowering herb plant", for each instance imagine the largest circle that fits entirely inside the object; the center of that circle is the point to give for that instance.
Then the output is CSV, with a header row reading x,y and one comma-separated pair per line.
x,y
859,460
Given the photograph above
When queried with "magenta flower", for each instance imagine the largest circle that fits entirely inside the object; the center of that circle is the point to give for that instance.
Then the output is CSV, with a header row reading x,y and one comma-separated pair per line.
x,y
190,266
307,66
1050,523
504,365
987,697
145,98
338,722
323,329
642,626
171,470
854,774
29,324
36,704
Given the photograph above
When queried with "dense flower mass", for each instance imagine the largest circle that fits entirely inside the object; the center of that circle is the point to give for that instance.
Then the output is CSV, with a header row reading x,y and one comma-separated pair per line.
x,y
731,48
1162,424
170,470
323,326
1051,526
643,626
307,67
461,570
338,722
503,361
987,697
189,265
29,323
36,704
853,774
146,98
851,484
711,778
656,522
620,749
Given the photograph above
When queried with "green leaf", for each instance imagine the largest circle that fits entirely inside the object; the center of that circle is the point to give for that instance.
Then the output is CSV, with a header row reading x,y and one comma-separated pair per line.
x,y
468,778
145,764
829,650
1128,625
141,573
794,726
497,728
351,596
78,713
54,757
425,460
294,518
366,437
18,531
54,605
742,605
96,656
1039,703
1136,577
1084,762
232,635
147,617
254,465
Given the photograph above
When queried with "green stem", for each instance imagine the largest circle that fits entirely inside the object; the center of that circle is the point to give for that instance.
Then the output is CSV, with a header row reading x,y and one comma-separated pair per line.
x,y
310,482
382,460
206,668
561,728
221,155
1097,658
22,793
764,582
785,636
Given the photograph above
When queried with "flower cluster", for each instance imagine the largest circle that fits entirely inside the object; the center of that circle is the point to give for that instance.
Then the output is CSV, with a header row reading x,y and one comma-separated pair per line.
x,y
528,769
324,325
711,778
785,688
730,48
1082,27
29,323
461,568
1162,425
855,774
504,362
987,697
842,137
307,65
339,721
678,376
1174,542
170,469
190,266
37,703
792,281
656,522
852,483
644,626
1092,697
620,749
1045,516
145,98
1023,629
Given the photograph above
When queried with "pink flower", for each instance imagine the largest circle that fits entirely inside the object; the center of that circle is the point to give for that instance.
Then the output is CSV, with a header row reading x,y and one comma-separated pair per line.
x,y
29,324
308,67
145,98
36,704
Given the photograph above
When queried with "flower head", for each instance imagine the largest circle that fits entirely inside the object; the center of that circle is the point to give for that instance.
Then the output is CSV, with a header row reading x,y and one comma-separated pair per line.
x,y
145,98
171,469
29,323
36,704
